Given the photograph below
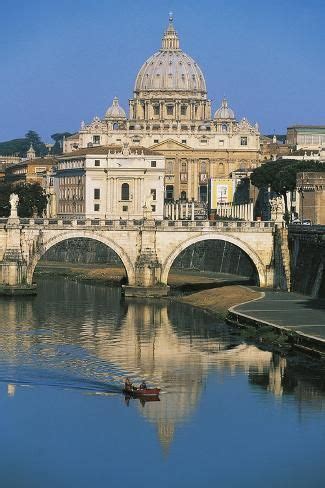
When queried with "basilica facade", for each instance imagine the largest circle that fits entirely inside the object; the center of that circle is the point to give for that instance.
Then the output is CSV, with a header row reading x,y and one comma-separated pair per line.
x,y
170,114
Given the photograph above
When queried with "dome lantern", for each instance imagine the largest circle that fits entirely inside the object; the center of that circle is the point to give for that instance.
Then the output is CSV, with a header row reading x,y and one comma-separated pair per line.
x,y
170,41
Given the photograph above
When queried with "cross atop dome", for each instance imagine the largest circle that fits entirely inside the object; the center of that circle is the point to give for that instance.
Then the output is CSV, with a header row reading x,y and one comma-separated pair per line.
x,y
170,41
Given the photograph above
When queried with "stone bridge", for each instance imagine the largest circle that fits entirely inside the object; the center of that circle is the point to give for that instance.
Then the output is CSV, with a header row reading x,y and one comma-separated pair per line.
x,y
147,248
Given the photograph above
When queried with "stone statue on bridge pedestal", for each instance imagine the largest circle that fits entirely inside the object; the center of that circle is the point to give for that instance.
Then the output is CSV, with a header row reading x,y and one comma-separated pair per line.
x,y
277,209
147,208
13,200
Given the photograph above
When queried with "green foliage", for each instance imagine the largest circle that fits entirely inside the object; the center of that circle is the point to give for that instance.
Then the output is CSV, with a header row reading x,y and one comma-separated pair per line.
x,y
5,190
19,147
32,199
39,146
58,138
281,175
15,147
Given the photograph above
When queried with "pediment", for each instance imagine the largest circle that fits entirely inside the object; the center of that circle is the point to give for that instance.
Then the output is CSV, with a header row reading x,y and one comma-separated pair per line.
x,y
170,145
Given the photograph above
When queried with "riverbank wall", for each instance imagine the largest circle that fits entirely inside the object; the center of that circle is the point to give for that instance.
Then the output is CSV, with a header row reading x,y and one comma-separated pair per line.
x,y
278,335
307,251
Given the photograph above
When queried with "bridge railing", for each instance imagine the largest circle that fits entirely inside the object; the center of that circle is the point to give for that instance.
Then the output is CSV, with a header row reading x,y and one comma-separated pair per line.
x,y
306,229
185,225
213,224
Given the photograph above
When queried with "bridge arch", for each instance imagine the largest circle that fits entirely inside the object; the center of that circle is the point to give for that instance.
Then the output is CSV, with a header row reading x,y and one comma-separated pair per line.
x,y
53,240
260,267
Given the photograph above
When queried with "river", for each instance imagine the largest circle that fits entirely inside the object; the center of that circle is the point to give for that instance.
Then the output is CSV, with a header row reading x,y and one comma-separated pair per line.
x,y
230,414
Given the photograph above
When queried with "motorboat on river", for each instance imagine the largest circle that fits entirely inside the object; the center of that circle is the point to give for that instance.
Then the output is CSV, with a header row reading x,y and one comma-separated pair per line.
x,y
142,392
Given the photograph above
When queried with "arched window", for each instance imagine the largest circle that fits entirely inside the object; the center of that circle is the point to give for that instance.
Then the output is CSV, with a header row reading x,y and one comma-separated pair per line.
x,y
125,191
224,127
183,195
115,126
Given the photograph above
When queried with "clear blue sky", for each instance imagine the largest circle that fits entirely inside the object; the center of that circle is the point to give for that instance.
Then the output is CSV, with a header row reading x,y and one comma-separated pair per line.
x,y
63,61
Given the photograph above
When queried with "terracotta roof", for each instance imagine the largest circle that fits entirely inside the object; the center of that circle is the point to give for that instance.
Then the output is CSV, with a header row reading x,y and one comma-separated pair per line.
x,y
49,161
135,150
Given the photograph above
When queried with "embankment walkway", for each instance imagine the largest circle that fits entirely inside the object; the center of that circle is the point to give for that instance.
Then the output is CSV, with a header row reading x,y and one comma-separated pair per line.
x,y
292,311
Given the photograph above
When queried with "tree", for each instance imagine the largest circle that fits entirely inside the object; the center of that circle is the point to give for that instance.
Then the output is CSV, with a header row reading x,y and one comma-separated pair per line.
x,y
5,190
281,176
58,138
32,199
33,138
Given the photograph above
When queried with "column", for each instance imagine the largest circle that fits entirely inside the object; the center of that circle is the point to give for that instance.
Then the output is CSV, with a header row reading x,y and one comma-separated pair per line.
x,y
192,211
176,211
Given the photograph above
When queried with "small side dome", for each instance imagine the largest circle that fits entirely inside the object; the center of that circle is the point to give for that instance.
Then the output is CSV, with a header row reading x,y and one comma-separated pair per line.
x,y
115,111
224,112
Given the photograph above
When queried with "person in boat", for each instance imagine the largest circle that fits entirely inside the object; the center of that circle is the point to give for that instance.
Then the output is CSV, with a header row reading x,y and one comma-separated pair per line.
x,y
143,385
127,384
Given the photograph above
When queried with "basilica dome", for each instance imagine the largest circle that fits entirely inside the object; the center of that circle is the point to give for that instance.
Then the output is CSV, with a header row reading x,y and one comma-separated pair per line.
x,y
170,69
224,112
115,111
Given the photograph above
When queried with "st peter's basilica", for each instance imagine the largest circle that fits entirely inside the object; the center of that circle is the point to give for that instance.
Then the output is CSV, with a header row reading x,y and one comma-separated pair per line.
x,y
170,113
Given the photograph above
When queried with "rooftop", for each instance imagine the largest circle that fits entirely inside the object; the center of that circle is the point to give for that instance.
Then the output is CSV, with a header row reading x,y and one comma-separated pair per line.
x,y
112,149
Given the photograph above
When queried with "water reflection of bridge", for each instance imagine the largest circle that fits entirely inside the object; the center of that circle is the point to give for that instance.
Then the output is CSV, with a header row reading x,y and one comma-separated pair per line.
x,y
145,341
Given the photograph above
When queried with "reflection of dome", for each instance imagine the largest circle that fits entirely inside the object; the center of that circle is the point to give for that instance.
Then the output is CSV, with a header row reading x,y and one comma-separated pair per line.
x,y
170,68
115,111
224,112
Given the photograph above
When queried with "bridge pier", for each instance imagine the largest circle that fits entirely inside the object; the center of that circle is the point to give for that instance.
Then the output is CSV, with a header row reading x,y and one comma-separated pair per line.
x,y
147,267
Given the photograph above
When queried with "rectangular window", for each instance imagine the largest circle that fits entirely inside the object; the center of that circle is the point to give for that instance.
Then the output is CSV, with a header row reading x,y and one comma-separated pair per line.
x,y
153,192
243,141
97,162
170,110
96,139
184,141
221,142
125,208
156,109
169,192
183,110
204,141
153,164
96,207
97,194
156,141
153,207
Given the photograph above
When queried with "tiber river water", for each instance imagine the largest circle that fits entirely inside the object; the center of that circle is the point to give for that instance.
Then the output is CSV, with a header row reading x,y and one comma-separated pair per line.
x,y
231,415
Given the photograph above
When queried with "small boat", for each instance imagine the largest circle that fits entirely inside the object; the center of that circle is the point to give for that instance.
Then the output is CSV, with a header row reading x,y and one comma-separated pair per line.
x,y
145,392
